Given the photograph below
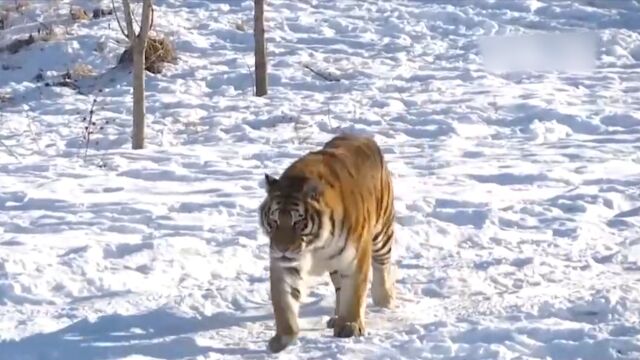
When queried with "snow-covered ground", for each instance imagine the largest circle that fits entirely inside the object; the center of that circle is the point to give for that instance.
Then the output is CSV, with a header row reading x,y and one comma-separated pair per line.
x,y
518,195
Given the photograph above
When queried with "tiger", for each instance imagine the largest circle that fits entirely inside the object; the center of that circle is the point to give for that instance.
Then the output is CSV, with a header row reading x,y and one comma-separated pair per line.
x,y
331,211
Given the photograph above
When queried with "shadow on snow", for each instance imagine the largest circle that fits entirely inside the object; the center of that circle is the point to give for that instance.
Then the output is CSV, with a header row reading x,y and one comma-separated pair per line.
x,y
158,333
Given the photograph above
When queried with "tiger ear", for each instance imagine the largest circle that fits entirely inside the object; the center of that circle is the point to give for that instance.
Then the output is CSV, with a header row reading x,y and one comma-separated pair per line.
x,y
313,189
270,181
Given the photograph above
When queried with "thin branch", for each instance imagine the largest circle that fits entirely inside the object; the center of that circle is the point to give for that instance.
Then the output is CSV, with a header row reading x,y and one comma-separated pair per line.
x,y
89,129
147,13
33,133
115,12
253,82
128,18
10,151
327,77
153,15
135,18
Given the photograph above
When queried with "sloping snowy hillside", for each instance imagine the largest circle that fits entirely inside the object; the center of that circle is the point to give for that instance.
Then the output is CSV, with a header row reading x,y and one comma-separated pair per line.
x,y
518,195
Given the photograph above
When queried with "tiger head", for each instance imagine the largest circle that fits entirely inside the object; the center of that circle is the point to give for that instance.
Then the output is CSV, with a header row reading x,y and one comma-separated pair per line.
x,y
291,216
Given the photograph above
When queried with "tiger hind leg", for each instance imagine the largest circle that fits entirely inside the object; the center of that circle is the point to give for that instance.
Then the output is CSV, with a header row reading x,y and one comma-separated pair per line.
x,y
382,286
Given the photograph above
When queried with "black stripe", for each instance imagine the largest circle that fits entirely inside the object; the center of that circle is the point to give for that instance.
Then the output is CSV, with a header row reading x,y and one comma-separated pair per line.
x,y
295,294
380,237
344,245
385,243
333,274
315,216
381,261
332,221
376,238
385,248
294,271
386,252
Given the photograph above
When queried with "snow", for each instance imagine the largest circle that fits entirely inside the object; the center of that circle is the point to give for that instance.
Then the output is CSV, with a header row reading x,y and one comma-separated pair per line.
x,y
517,193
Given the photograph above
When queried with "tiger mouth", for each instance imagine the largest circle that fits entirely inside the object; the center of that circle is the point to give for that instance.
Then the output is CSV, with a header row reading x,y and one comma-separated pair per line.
x,y
283,259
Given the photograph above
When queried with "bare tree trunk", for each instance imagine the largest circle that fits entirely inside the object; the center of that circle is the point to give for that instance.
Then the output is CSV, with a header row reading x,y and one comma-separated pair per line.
x,y
139,49
138,45
260,49
137,136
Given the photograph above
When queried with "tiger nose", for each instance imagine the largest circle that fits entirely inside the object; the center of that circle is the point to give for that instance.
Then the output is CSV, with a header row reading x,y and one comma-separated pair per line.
x,y
283,247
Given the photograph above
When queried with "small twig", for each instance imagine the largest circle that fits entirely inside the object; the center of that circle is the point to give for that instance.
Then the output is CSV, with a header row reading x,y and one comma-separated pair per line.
x,y
253,82
147,22
135,19
128,19
6,146
33,133
115,12
89,129
355,111
326,77
10,151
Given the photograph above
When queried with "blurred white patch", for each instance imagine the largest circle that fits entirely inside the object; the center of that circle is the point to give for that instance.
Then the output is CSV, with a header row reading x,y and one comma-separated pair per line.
x,y
548,131
567,52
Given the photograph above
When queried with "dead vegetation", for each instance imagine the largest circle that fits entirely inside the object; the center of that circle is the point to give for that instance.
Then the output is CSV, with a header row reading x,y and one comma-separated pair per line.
x,y
78,14
159,51
44,32
69,78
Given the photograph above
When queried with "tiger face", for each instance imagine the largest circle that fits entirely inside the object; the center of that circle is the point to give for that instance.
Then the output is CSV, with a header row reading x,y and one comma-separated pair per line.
x,y
290,217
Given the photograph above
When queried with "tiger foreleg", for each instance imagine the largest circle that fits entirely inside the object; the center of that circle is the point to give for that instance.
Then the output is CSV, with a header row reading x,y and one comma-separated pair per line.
x,y
353,295
335,280
285,297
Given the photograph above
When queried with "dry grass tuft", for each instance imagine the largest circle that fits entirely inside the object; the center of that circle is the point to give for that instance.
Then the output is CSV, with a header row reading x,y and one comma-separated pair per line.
x,y
81,70
159,52
78,14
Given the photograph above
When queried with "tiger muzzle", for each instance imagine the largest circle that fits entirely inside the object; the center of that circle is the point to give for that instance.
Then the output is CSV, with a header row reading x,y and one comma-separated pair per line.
x,y
285,247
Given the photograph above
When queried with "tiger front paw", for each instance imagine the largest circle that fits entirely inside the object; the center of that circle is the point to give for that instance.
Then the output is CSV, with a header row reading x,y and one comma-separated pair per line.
x,y
343,329
331,323
280,342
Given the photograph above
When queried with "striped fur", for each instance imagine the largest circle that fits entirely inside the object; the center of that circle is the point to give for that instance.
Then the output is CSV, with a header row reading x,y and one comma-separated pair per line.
x,y
332,212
